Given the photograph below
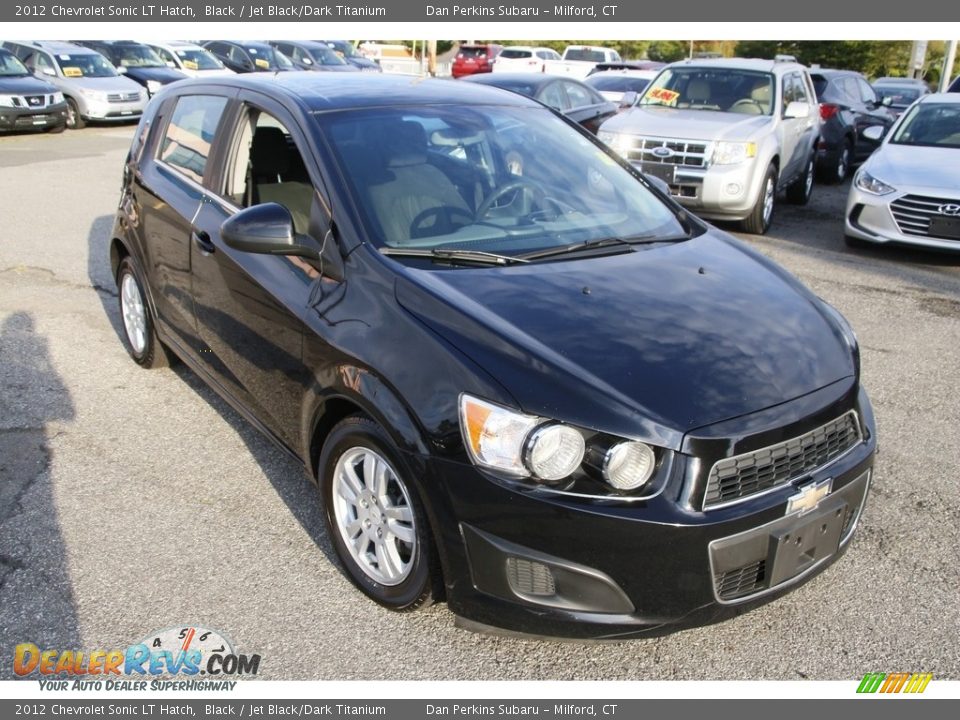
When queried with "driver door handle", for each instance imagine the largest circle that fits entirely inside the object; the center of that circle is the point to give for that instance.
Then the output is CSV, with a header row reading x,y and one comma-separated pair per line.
x,y
203,241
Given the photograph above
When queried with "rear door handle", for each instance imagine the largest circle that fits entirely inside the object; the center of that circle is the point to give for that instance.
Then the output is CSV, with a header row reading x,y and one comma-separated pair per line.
x,y
203,241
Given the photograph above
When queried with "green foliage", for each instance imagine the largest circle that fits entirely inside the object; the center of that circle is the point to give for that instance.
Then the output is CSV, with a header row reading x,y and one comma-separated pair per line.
x,y
668,50
873,58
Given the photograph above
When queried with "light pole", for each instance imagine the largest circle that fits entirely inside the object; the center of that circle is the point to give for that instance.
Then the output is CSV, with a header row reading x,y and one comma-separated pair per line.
x,y
949,56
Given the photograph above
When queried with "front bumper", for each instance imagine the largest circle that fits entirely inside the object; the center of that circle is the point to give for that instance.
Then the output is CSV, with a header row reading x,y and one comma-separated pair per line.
x,y
104,111
623,570
871,218
25,118
717,192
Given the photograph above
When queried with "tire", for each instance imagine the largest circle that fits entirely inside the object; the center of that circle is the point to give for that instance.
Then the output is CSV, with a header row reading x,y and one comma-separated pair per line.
x,y
139,334
802,188
365,516
75,120
761,216
56,129
841,166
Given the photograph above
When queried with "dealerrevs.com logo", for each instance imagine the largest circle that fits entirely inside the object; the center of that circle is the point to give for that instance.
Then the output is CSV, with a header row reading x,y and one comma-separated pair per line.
x,y
171,659
909,683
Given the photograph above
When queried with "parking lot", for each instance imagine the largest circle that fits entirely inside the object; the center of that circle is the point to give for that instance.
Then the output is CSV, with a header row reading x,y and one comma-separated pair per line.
x,y
132,501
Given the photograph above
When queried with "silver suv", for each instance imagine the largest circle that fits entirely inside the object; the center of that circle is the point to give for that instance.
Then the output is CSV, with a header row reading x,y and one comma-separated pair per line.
x,y
91,85
726,135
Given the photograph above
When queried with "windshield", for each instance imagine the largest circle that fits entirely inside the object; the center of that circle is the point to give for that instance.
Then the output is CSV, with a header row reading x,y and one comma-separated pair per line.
x,y
136,56
718,89
85,65
617,83
197,59
325,55
899,96
10,66
343,48
930,125
502,180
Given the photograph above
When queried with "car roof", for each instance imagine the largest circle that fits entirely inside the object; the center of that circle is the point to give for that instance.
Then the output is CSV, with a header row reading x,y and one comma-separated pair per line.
x,y
625,72
310,44
175,44
60,47
756,64
533,79
833,72
947,98
324,92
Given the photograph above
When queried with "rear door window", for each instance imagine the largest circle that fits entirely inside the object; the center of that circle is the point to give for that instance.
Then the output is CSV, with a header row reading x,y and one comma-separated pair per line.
x,y
189,134
578,96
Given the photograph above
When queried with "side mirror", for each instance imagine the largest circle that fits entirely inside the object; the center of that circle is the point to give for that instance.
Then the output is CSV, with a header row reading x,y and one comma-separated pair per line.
x,y
887,101
267,229
306,61
122,70
797,110
171,64
875,133
629,99
49,71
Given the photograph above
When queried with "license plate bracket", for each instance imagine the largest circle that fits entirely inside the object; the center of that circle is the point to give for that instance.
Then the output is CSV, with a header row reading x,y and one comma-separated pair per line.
x,y
663,171
945,227
794,550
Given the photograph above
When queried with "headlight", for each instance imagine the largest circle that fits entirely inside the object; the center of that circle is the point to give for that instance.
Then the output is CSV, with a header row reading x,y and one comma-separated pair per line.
x,y
628,465
153,86
620,144
57,98
8,101
869,184
517,444
731,153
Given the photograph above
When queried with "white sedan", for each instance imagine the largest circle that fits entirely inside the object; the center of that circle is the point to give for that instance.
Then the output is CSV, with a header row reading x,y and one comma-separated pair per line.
x,y
908,191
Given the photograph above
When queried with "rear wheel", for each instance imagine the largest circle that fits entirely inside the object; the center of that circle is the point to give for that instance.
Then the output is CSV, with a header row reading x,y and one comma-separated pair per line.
x,y
841,167
75,120
142,342
800,191
760,217
375,518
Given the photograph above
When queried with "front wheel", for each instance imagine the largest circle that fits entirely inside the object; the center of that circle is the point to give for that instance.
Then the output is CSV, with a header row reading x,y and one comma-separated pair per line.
x,y
760,217
375,518
75,120
142,342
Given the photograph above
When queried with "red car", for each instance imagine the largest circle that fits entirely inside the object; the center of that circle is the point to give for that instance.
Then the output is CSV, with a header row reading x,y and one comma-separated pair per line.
x,y
473,59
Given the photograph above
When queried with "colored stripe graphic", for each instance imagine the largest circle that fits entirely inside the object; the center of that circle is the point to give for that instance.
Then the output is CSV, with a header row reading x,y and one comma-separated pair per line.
x,y
913,683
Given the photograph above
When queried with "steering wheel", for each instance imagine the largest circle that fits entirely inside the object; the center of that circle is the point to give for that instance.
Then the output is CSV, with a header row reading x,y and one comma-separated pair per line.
x,y
513,186
747,103
443,216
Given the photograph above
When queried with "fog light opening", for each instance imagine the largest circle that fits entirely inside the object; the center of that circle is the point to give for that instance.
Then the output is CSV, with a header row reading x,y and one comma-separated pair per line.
x,y
734,188
528,577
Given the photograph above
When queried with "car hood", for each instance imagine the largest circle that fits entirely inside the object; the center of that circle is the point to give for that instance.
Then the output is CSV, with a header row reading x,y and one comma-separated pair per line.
x,y
160,74
25,85
116,83
648,344
935,168
687,124
364,63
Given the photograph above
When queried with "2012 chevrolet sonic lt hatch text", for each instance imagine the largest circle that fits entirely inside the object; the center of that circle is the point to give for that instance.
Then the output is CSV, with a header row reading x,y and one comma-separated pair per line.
x,y
524,379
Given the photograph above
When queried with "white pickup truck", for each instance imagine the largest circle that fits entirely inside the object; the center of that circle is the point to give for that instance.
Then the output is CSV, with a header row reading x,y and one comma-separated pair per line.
x,y
578,60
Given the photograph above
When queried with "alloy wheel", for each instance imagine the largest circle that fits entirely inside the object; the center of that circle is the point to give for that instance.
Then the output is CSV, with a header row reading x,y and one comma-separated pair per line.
x,y
134,313
768,199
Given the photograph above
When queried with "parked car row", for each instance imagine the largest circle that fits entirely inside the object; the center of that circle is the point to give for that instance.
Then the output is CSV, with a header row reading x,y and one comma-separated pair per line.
x,y
51,85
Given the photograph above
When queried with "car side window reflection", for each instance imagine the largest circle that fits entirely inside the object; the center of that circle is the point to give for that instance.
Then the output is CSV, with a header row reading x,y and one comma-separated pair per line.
x,y
186,141
268,167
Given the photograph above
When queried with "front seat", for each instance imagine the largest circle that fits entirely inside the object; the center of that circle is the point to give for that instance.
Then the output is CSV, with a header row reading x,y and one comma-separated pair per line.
x,y
698,92
412,198
269,164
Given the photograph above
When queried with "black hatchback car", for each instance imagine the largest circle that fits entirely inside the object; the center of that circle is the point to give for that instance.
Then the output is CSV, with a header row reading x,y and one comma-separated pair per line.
x,y
313,55
848,106
250,56
523,378
577,101
137,61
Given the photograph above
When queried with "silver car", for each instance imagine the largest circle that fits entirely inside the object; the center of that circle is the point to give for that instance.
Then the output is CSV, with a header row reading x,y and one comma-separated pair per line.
x,y
91,85
908,192
726,135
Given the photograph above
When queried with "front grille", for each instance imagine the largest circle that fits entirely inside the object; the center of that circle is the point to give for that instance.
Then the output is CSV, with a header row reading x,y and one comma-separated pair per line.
x,y
683,153
914,212
35,101
123,97
738,477
741,581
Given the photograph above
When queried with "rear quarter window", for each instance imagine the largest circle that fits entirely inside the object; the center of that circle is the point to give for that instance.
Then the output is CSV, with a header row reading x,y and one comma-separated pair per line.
x,y
189,135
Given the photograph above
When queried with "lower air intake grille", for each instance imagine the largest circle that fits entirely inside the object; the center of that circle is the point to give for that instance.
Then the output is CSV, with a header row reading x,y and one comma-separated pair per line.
x,y
741,581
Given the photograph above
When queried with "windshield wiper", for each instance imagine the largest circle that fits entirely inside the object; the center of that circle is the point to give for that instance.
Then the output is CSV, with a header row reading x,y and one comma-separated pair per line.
x,y
471,256
609,242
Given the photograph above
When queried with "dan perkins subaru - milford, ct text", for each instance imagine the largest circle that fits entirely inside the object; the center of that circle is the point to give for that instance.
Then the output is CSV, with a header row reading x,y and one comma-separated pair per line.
x,y
474,11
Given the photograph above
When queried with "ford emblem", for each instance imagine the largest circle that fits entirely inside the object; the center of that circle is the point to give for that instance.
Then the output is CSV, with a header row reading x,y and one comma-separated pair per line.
x,y
662,152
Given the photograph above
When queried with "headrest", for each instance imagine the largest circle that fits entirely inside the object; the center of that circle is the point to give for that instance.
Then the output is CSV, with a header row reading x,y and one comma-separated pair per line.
x,y
269,152
698,90
761,94
405,145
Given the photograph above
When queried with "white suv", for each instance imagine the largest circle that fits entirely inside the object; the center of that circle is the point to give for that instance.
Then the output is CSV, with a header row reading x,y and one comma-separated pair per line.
x,y
726,135
521,59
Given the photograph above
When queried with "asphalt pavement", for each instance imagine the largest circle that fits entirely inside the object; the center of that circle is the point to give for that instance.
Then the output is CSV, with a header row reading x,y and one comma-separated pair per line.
x,y
132,500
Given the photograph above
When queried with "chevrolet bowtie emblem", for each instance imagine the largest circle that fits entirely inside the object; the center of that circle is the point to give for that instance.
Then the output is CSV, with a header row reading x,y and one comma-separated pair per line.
x,y
809,496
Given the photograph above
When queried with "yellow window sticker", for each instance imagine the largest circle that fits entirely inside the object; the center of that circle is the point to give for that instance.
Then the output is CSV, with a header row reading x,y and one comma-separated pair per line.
x,y
70,71
191,65
667,97
262,63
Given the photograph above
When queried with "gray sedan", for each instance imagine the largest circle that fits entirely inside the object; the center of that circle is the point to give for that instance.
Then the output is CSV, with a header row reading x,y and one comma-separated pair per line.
x,y
908,192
